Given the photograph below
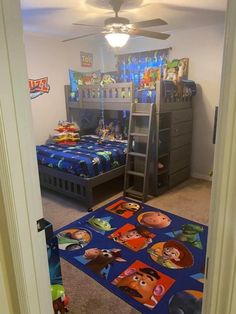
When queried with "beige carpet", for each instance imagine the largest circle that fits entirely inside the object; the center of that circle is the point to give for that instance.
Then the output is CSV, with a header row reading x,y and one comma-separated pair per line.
x,y
190,199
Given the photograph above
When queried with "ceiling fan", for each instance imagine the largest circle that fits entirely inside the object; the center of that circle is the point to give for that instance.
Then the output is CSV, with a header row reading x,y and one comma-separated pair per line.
x,y
117,30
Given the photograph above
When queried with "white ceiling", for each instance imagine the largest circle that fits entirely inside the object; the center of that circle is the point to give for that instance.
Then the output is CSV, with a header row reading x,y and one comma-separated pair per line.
x,y
54,18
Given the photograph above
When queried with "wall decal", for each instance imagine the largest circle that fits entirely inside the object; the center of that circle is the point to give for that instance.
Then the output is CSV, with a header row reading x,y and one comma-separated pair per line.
x,y
38,87
86,59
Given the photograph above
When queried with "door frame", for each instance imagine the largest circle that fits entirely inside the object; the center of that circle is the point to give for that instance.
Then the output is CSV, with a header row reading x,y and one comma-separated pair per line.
x,y
220,287
20,185
25,288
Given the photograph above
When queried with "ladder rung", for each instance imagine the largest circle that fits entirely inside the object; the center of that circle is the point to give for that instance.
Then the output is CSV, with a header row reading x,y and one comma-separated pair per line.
x,y
138,134
135,173
140,114
131,191
137,154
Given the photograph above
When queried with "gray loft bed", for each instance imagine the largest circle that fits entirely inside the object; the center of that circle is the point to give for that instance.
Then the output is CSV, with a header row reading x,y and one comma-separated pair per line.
x,y
117,96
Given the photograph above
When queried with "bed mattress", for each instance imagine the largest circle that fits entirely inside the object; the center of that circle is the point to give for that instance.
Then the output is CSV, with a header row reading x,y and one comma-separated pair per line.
x,y
87,159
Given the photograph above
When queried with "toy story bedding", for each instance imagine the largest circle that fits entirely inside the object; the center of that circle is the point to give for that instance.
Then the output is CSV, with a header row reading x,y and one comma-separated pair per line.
x,y
152,259
88,158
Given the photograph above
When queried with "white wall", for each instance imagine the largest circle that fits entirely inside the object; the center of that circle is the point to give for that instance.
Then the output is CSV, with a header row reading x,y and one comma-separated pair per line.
x,y
204,47
52,58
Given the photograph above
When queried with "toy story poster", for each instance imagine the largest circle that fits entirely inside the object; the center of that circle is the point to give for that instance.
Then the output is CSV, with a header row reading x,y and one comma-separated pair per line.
x,y
152,259
86,59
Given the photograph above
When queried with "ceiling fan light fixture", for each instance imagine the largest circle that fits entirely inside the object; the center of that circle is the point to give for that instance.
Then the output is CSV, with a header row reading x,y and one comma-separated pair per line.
x,y
117,39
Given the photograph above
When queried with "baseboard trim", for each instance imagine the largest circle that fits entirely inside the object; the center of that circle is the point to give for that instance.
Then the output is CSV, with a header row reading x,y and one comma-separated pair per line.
x,y
201,176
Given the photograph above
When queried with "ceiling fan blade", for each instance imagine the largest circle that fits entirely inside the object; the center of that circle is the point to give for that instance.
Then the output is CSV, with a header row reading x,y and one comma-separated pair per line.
x,y
150,23
81,24
78,37
141,32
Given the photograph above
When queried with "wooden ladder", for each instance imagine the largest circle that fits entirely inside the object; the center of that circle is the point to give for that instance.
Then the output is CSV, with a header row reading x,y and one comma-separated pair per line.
x,y
141,112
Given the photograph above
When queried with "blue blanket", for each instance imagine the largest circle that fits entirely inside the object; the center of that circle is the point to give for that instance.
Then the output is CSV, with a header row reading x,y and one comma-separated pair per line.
x,y
87,159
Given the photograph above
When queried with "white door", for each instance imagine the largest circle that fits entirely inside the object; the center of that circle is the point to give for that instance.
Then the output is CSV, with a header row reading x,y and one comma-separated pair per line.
x,y
19,184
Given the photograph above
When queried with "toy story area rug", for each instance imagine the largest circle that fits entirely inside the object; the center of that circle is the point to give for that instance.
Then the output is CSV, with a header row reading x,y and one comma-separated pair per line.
x,y
150,258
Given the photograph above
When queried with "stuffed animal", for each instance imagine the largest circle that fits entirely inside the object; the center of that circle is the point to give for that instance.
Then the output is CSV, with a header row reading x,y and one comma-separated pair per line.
x,y
100,127
60,300
118,131
107,79
176,71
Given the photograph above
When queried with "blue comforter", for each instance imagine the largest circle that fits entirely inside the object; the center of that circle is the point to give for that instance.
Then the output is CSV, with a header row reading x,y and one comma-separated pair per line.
x,y
88,159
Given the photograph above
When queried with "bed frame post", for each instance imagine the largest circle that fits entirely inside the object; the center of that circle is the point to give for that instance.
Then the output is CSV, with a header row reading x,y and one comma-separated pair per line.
x,y
89,198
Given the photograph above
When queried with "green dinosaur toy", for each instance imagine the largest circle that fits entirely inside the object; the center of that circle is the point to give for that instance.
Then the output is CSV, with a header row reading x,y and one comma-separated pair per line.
x,y
190,233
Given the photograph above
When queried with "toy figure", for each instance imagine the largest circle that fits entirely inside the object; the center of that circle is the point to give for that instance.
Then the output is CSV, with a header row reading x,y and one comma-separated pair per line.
x,y
118,131
105,132
154,219
99,129
176,71
60,300
111,128
171,254
107,79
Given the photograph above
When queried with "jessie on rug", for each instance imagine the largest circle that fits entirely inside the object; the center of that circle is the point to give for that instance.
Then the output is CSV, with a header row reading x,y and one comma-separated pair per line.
x,y
152,259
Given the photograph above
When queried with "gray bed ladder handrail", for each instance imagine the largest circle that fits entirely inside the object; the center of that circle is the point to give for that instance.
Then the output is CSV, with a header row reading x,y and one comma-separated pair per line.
x,y
141,112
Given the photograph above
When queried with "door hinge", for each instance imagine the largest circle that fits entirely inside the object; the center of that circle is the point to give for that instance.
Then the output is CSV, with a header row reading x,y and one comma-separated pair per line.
x,y
43,224
207,263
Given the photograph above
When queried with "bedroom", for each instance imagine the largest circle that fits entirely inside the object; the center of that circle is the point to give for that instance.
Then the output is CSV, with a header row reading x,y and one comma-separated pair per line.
x,y
48,57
